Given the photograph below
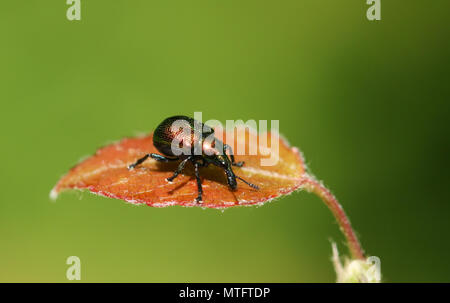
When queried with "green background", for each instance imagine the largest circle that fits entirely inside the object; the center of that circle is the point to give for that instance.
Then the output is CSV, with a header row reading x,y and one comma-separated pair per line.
x,y
367,102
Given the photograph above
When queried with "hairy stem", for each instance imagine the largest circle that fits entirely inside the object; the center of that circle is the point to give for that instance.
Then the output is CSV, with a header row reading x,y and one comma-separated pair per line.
x,y
314,186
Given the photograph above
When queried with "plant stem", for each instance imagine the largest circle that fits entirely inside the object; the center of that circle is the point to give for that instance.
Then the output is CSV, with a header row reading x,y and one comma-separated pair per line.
x,y
314,186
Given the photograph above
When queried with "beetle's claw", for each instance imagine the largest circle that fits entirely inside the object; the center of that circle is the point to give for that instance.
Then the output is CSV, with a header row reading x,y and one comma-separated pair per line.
x,y
198,200
254,186
130,167
239,164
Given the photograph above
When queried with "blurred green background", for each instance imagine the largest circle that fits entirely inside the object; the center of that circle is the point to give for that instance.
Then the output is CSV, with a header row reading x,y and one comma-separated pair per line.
x,y
367,102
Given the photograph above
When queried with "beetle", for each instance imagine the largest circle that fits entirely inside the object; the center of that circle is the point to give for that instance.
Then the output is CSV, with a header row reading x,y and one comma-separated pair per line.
x,y
200,148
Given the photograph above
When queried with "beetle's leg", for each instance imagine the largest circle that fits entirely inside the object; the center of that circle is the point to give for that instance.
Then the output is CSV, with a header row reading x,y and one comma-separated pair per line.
x,y
162,158
179,169
248,183
230,151
199,183
153,156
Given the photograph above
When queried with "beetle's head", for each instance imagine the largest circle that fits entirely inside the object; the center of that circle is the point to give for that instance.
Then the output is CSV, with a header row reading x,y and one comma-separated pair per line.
x,y
231,179
222,161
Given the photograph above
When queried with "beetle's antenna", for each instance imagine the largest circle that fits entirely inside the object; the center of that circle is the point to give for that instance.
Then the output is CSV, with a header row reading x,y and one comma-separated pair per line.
x,y
248,183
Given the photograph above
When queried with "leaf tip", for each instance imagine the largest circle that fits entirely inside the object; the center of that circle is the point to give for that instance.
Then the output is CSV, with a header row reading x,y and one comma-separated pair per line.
x,y
53,194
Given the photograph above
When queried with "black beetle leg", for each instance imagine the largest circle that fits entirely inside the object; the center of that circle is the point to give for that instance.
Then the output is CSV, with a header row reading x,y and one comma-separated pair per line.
x,y
230,151
139,161
199,183
179,169
161,158
153,156
248,183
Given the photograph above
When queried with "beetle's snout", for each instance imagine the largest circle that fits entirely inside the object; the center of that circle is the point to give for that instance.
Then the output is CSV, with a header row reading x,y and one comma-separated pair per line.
x,y
232,183
231,179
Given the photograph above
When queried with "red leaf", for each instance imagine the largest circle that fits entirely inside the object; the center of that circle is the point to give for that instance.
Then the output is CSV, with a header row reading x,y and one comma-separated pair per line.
x,y
106,174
